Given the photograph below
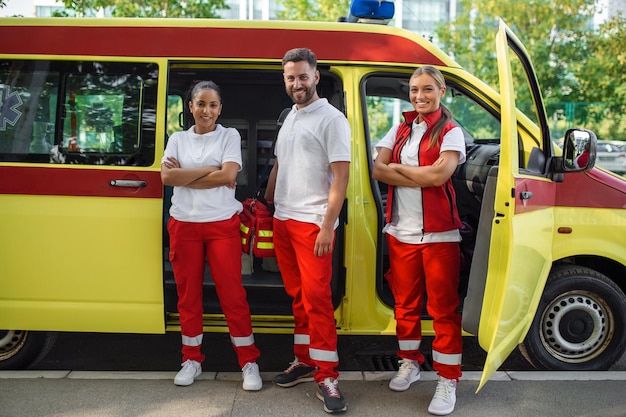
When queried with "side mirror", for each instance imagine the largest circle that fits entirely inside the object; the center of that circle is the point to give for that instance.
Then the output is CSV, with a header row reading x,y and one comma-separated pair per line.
x,y
579,150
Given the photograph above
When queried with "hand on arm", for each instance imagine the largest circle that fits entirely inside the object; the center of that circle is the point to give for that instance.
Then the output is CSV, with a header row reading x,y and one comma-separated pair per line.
x,y
336,197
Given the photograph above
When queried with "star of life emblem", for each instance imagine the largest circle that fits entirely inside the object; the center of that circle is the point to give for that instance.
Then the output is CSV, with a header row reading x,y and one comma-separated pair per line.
x,y
9,104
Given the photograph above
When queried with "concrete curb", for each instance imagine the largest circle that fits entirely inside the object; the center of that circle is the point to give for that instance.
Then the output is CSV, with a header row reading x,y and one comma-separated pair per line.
x,y
346,375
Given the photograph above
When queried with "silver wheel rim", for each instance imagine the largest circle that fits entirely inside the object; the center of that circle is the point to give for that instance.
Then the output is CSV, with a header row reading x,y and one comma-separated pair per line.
x,y
576,327
11,343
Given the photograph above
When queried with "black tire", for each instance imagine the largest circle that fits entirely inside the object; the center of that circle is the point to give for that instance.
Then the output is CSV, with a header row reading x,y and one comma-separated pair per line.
x,y
579,325
20,349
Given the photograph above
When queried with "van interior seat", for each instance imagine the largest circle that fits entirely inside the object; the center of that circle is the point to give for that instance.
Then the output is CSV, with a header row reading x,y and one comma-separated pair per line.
x,y
470,178
536,161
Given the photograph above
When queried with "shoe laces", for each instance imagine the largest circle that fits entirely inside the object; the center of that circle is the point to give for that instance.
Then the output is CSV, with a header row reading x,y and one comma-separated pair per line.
x,y
331,387
406,367
188,365
248,369
444,389
293,365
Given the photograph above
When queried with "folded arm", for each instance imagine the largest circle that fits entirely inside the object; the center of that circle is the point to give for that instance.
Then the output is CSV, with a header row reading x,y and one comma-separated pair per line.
x,y
199,178
415,176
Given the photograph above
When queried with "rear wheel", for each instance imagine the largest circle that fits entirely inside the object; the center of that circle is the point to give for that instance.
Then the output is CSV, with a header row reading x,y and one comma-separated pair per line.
x,y
20,349
579,322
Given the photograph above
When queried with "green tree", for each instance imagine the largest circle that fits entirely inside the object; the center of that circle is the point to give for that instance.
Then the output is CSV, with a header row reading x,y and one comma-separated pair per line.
x,y
149,8
601,78
554,35
311,10
574,63
379,118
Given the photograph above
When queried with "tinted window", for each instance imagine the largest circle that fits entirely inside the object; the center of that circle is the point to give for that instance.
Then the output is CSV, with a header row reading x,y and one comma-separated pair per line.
x,y
95,113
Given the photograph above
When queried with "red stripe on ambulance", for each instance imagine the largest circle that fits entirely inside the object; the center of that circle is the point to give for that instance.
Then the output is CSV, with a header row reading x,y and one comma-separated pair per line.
x,y
78,182
227,43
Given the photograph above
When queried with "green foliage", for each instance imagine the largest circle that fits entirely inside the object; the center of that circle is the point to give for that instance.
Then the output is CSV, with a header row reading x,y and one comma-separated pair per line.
x,y
379,117
174,109
553,34
573,62
63,13
601,77
149,8
311,10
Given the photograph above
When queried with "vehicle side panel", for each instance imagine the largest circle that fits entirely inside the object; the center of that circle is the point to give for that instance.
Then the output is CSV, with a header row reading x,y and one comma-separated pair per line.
x,y
226,42
81,263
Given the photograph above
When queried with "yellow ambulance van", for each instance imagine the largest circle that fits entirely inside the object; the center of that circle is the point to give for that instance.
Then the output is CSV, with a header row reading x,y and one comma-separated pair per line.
x,y
87,106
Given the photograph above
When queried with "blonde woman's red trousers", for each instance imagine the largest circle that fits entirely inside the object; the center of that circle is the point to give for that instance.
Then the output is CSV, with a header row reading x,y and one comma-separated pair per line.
x,y
431,269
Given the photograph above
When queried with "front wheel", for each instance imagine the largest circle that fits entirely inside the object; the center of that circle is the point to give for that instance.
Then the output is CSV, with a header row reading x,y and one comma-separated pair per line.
x,y
20,349
579,322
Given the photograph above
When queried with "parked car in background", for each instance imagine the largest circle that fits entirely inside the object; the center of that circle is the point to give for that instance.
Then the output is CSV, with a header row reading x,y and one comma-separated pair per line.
x,y
611,157
621,144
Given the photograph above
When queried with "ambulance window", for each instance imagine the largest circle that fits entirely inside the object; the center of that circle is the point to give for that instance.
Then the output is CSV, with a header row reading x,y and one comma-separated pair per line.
x,y
93,113
102,113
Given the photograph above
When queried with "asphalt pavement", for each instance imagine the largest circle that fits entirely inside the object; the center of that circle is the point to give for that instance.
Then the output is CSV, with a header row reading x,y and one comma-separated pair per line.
x,y
51,393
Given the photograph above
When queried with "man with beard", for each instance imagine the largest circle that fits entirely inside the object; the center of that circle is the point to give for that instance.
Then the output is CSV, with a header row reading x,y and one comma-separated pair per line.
x,y
308,186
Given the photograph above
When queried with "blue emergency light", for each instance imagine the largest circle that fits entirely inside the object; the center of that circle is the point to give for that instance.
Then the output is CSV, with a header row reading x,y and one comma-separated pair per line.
x,y
371,11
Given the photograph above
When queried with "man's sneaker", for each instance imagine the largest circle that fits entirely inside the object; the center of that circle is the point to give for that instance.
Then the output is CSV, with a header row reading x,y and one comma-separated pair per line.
x,y
296,373
189,371
328,392
444,399
408,373
251,377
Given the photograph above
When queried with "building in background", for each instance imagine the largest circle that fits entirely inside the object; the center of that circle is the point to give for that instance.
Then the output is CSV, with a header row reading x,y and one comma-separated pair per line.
x,y
616,7
46,8
419,16
251,10
31,8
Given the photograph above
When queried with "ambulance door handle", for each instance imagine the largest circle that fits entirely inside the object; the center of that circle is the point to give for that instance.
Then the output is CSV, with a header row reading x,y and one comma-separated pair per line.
x,y
127,183
526,195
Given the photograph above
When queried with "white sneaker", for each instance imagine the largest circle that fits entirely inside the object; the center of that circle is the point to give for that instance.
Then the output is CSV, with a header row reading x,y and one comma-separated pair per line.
x,y
408,373
251,377
190,370
444,399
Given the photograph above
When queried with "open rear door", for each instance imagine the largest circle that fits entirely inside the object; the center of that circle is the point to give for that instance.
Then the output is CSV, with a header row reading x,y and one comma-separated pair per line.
x,y
520,242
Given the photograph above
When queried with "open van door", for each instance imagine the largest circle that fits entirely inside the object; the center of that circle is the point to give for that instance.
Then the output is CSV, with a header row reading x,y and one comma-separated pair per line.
x,y
521,229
